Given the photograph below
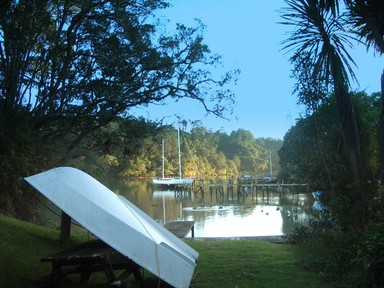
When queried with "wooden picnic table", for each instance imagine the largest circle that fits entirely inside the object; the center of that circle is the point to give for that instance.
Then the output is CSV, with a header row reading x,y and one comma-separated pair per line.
x,y
97,256
89,257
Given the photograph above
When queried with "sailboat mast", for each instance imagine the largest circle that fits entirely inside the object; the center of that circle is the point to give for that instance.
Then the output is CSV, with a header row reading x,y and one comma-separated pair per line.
x,y
178,145
162,156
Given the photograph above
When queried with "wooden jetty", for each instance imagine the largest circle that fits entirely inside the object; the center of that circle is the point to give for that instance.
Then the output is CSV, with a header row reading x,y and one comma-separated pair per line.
x,y
241,187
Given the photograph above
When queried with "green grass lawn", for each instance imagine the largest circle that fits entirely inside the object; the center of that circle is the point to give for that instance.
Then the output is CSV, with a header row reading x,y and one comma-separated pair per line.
x,y
249,263
223,263
21,247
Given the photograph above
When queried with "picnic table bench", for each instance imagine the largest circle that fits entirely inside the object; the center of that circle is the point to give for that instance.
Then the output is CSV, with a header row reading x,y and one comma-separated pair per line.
x,y
97,256
89,257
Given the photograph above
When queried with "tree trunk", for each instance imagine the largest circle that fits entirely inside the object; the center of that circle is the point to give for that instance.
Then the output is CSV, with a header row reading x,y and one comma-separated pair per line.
x,y
352,144
381,130
381,146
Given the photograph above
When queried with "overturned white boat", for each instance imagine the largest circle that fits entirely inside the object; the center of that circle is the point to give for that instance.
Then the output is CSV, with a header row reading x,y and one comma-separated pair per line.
x,y
119,223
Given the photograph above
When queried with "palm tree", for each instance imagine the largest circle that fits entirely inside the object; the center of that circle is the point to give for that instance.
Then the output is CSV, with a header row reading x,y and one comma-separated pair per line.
x,y
320,31
367,18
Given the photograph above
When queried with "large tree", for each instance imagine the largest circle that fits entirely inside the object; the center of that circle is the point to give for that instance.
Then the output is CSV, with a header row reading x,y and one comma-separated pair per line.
x,y
69,67
77,64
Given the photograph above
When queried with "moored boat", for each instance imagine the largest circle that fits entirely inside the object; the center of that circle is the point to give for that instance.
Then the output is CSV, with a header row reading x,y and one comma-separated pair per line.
x,y
172,181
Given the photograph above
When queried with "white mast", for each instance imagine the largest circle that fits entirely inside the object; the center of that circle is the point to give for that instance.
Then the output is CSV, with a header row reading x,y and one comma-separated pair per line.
x,y
178,145
162,153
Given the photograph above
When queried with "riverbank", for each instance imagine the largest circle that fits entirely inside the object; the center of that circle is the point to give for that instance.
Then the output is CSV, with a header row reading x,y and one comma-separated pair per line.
x,y
242,263
278,239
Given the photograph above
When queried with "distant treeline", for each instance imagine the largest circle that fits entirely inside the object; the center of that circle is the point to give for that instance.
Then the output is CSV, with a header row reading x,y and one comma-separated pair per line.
x,y
133,148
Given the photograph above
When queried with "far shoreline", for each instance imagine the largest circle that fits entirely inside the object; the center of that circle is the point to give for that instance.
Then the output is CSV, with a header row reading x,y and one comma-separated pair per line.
x,y
281,239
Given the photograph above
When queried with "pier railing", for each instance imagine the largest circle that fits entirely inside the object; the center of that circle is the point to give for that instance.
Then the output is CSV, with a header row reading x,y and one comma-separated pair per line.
x,y
241,186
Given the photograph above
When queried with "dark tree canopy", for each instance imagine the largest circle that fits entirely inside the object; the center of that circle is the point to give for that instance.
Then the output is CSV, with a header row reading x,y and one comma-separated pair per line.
x,y
78,64
71,67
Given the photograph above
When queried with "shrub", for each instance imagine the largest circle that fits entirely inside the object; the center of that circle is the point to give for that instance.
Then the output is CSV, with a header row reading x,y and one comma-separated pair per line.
x,y
369,259
327,249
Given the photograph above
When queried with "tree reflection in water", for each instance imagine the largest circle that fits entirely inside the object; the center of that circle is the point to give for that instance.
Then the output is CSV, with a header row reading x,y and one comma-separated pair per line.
x,y
226,214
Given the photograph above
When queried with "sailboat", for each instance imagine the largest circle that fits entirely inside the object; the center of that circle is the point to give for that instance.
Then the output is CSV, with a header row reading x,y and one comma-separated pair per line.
x,y
172,181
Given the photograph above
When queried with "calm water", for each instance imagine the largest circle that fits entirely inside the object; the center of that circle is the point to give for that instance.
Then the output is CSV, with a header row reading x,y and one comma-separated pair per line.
x,y
261,213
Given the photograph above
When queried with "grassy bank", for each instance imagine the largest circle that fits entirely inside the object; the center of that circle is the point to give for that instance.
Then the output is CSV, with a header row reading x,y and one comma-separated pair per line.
x,y
250,263
224,263
21,247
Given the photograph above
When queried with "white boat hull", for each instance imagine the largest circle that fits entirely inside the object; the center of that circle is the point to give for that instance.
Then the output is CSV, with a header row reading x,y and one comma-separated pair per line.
x,y
119,223
173,181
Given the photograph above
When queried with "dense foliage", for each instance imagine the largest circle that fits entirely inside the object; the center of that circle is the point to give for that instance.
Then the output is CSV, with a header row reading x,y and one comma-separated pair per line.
x,y
338,146
133,148
312,152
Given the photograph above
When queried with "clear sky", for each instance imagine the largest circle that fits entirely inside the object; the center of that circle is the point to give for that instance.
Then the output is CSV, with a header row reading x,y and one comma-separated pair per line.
x,y
248,36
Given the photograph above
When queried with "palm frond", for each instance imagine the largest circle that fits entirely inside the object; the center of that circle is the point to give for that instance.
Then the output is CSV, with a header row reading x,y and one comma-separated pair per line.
x,y
367,22
321,32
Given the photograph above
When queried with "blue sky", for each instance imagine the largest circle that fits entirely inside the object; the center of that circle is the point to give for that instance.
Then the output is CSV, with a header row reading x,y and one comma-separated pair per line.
x,y
248,36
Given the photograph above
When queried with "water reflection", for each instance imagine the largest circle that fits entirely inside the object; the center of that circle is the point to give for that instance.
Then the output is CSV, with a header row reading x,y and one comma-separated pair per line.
x,y
225,213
